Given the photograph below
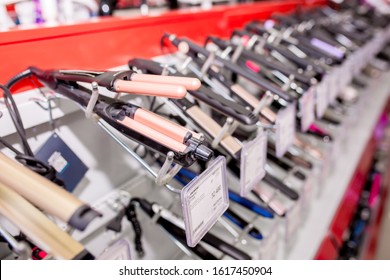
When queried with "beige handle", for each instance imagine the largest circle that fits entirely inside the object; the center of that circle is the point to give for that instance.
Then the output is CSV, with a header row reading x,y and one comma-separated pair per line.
x,y
213,128
42,232
253,101
188,83
38,190
312,150
165,140
153,89
162,125
244,94
270,200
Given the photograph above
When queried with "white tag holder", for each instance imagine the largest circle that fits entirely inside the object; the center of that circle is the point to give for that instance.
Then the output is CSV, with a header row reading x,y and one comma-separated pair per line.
x,y
307,108
204,200
322,100
120,250
269,246
285,129
253,157
308,191
293,220
335,84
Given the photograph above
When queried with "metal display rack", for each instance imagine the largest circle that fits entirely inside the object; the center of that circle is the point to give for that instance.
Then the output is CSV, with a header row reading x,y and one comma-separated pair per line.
x,y
107,43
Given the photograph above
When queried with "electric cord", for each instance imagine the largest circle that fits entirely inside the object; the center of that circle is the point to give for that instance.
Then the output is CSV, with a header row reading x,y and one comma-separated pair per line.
x,y
16,118
27,159
131,216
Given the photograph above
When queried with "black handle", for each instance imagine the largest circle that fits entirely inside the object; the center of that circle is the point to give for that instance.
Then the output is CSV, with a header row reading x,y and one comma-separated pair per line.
x,y
277,184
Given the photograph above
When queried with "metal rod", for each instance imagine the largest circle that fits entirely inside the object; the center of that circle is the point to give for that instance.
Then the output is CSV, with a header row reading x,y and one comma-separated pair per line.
x,y
135,156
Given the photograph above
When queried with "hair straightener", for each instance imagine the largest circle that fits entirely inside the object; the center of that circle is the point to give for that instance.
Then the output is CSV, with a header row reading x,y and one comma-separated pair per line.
x,y
264,61
174,225
184,176
193,50
140,125
203,93
37,227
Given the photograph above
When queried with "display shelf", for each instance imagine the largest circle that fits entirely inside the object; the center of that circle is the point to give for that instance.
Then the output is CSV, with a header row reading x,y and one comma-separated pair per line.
x,y
332,211
107,43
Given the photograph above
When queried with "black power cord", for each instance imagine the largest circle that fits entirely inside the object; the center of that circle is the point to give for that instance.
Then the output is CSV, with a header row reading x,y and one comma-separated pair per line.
x,y
27,158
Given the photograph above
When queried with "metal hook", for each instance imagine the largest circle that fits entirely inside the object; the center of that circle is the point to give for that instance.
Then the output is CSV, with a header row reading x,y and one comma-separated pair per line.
x,y
237,53
185,64
224,131
207,64
135,156
166,173
49,108
92,101
290,80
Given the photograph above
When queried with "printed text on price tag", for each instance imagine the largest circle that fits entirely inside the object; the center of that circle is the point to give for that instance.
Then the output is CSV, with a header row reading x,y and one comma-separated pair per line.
x,y
285,129
253,156
322,100
306,108
204,200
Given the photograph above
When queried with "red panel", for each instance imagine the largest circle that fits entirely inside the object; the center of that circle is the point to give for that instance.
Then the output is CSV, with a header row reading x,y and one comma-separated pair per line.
x,y
111,42
327,250
347,207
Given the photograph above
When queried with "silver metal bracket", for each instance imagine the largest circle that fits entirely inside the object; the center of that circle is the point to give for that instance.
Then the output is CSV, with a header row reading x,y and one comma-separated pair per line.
x,y
167,172
92,102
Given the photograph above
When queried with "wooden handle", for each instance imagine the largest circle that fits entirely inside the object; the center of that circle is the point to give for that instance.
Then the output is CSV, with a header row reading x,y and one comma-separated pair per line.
x,y
244,94
42,232
253,101
38,190
188,83
152,89
212,128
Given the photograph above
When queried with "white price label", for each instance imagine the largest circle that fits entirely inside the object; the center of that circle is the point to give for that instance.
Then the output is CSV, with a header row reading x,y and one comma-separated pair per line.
x,y
253,156
204,200
322,100
293,220
306,108
285,129
307,193
269,246
356,62
348,70
334,85
326,163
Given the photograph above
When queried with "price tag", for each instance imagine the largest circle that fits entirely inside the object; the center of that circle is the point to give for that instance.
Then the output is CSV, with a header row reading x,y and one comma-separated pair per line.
x,y
336,150
293,220
253,156
378,43
204,200
349,70
326,165
334,85
307,194
269,245
322,101
120,250
285,129
306,108
356,62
